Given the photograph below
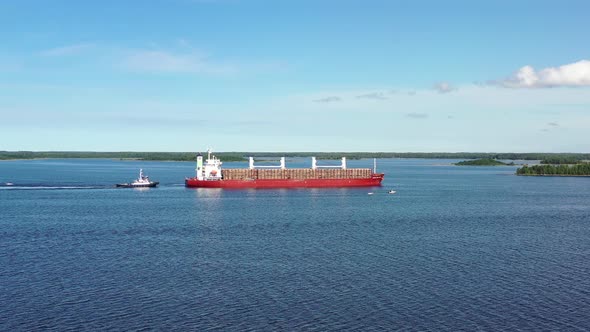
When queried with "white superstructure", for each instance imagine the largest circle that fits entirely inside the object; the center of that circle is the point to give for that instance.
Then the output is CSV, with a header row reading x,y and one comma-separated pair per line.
x,y
211,169
142,181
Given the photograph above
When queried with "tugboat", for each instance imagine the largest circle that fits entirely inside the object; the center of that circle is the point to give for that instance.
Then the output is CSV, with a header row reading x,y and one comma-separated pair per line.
x,y
142,182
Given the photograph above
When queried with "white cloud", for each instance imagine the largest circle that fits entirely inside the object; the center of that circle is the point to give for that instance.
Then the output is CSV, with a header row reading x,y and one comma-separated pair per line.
x,y
570,75
373,95
67,50
444,87
167,62
329,99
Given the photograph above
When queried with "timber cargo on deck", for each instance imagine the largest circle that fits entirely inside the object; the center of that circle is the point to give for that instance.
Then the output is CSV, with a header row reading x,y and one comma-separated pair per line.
x,y
209,174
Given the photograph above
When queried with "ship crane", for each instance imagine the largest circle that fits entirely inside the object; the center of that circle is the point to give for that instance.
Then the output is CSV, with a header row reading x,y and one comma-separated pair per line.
x,y
281,166
314,164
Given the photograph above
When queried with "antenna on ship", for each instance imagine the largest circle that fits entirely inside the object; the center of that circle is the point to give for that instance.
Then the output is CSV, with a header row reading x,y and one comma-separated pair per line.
x,y
374,165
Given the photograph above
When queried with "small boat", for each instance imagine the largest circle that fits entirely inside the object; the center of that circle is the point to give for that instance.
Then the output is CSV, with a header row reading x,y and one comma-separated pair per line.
x,y
391,192
369,193
142,182
9,184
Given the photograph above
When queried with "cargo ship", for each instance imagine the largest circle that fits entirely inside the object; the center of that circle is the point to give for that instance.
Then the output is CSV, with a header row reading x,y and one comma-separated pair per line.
x,y
209,174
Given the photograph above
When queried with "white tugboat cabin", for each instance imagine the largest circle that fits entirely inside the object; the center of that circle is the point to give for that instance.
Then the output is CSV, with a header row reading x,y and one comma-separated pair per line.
x,y
141,182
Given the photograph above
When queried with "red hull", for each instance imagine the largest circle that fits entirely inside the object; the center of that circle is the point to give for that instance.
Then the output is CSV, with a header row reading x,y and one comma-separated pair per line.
x,y
374,180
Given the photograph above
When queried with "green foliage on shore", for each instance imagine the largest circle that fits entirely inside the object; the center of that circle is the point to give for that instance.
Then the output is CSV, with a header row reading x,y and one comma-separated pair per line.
x,y
481,162
159,156
241,156
555,170
563,160
421,155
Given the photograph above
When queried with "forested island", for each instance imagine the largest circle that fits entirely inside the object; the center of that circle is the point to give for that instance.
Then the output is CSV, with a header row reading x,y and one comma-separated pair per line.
x,y
241,156
581,169
482,162
560,160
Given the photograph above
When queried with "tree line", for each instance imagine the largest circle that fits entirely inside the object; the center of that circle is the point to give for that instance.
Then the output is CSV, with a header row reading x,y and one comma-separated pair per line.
x,y
559,160
240,156
156,156
572,170
482,162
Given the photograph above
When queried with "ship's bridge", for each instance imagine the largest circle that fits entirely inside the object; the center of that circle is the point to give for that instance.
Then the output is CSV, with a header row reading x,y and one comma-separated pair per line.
x,y
211,169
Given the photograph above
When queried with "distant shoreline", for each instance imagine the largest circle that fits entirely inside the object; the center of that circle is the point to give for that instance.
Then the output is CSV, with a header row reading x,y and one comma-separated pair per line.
x,y
98,158
482,162
242,156
555,175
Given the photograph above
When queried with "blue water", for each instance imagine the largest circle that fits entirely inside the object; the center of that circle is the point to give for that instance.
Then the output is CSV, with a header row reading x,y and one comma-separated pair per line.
x,y
457,248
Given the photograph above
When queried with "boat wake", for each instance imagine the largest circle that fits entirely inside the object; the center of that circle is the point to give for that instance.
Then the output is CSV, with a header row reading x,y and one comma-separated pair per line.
x,y
49,187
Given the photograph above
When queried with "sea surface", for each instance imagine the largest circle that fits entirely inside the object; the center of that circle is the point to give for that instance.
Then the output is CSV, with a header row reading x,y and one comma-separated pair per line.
x,y
456,248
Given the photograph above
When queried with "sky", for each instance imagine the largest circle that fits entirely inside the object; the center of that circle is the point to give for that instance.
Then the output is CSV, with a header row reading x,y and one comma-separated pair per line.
x,y
250,75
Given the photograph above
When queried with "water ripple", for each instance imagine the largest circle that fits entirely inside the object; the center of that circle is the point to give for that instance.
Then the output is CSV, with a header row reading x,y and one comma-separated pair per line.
x,y
455,249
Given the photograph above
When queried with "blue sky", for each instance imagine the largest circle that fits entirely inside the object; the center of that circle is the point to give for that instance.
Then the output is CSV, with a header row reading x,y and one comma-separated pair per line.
x,y
240,75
